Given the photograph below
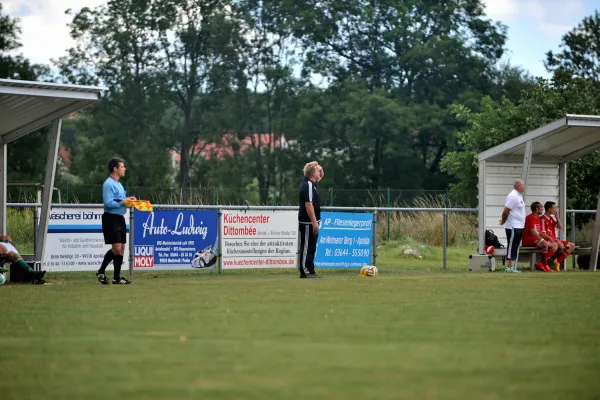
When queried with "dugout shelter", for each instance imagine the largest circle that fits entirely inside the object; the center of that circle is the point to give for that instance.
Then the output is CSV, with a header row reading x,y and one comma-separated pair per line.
x,y
26,106
539,157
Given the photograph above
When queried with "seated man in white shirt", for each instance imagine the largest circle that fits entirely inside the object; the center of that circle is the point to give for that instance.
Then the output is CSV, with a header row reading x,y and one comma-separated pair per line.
x,y
8,253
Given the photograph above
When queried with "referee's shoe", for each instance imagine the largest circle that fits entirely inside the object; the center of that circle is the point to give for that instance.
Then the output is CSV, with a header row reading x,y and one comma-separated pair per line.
x,y
121,281
308,276
102,278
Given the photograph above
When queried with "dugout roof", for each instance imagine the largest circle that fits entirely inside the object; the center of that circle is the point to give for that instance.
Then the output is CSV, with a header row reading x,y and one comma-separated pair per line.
x,y
26,106
560,141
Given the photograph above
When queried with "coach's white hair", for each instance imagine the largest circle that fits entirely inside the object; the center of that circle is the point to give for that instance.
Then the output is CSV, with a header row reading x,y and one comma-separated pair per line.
x,y
309,168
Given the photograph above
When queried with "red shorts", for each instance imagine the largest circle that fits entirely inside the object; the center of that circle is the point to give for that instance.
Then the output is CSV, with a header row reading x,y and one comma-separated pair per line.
x,y
541,244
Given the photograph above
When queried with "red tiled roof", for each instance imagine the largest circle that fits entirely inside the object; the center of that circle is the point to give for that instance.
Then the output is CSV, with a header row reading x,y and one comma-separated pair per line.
x,y
225,148
65,154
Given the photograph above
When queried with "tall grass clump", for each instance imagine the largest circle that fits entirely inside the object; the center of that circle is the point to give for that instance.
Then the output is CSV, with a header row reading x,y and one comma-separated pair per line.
x,y
19,226
427,227
583,236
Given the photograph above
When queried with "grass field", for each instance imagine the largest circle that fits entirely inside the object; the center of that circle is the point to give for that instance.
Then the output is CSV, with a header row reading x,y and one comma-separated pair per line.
x,y
414,332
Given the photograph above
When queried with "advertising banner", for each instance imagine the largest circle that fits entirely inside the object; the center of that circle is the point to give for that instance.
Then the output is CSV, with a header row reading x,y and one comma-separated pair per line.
x,y
259,239
345,240
75,241
175,239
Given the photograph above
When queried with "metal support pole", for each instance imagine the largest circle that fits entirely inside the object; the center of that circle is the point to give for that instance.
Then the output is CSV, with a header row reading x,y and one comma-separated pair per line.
x,y
374,241
48,186
388,214
3,182
527,163
445,229
595,239
35,228
131,219
481,201
573,236
219,233
562,203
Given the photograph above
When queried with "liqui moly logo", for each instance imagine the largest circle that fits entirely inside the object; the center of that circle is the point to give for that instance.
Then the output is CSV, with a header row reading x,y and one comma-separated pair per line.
x,y
143,257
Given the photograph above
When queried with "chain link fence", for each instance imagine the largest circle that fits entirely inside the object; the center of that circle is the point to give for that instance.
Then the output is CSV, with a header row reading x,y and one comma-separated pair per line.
x,y
92,194
419,228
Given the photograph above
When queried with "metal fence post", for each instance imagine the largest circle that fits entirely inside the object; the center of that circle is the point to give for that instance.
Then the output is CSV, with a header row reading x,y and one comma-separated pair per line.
x,y
67,192
131,219
35,229
219,232
388,214
275,196
445,233
445,228
573,235
374,251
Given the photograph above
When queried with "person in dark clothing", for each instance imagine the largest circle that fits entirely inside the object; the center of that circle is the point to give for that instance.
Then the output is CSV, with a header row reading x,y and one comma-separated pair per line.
x,y
309,217
9,254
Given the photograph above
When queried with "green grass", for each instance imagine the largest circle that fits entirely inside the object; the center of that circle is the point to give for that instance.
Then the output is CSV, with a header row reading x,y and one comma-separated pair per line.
x,y
415,331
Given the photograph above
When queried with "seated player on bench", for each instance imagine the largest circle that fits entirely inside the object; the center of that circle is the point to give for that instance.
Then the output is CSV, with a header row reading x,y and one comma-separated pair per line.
x,y
532,237
8,253
3,255
550,222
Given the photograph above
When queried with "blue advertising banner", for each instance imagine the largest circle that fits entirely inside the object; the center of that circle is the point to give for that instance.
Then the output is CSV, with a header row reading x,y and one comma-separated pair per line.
x,y
175,239
344,240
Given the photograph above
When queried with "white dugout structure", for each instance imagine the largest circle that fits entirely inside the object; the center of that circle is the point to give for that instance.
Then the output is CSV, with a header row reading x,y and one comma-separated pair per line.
x,y
26,106
539,157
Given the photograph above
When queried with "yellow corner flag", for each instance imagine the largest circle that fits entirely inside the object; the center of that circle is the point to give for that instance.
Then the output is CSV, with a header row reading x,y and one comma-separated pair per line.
x,y
140,205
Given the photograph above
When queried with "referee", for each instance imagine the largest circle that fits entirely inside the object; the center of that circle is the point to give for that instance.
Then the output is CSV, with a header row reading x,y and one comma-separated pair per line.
x,y
113,222
309,216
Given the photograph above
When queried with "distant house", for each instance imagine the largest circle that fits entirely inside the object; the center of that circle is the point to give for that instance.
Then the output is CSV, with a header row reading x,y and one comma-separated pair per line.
x,y
229,145
64,155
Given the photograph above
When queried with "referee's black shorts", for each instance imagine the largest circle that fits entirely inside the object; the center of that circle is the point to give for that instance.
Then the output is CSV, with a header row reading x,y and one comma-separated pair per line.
x,y
114,228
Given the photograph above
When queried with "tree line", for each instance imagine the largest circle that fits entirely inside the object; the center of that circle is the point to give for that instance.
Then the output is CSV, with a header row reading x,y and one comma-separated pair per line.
x,y
383,93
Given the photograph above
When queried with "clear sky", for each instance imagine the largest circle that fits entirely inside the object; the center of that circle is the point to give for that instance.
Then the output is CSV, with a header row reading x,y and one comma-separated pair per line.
x,y
534,26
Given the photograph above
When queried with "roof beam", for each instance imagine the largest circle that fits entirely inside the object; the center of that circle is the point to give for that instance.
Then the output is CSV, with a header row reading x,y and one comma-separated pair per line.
x,y
43,121
503,158
582,152
40,92
582,120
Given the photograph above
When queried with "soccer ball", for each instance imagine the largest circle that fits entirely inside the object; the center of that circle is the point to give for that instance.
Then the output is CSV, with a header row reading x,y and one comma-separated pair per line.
x,y
369,270
2,279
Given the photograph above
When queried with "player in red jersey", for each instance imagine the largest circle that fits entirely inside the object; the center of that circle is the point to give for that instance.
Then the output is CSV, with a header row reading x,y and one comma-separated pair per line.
x,y
550,222
532,237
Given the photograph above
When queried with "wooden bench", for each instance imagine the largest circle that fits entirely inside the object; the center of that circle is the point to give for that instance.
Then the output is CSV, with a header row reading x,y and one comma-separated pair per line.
x,y
533,252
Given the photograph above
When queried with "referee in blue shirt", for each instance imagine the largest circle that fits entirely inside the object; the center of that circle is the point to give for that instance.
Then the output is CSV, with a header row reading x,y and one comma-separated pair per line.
x,y
113,222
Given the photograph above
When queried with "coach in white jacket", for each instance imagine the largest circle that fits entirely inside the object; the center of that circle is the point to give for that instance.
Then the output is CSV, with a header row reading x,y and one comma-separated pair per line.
x,y
513,219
